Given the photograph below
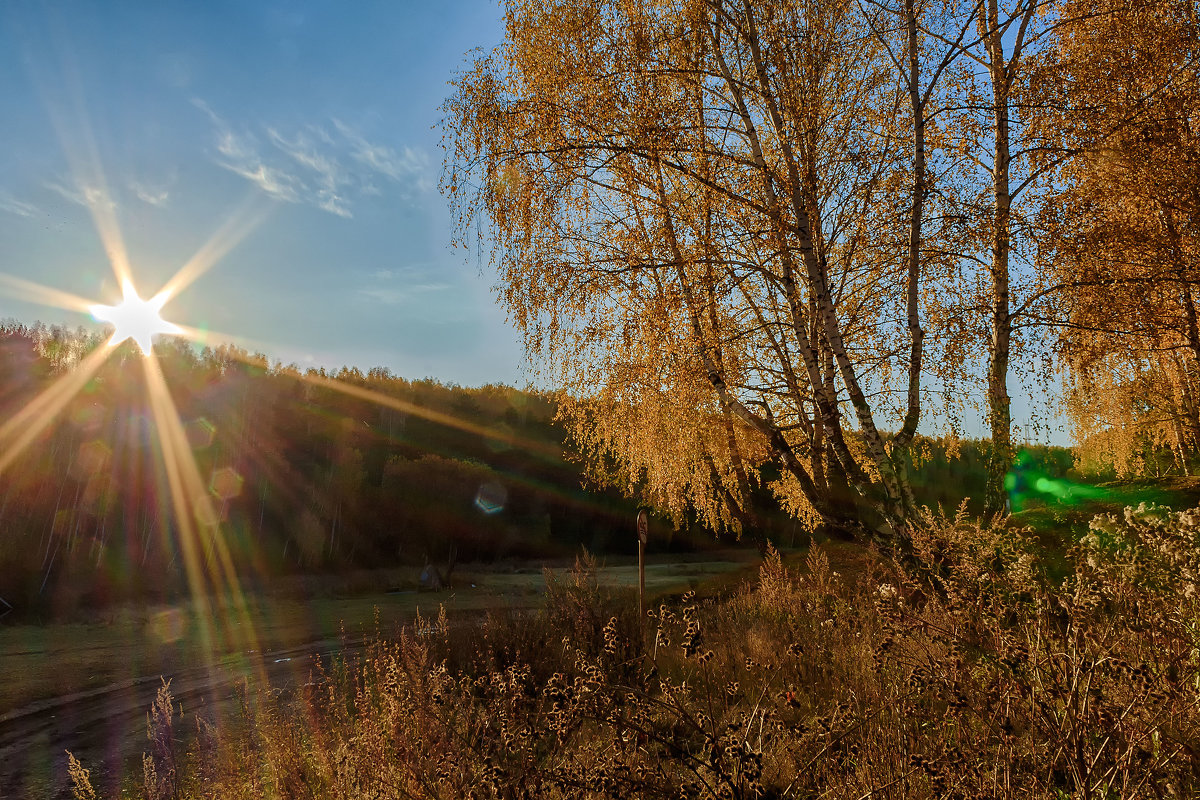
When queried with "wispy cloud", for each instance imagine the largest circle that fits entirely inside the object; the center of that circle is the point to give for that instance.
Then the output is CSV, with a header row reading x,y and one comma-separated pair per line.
x,y
239,153
275,182
326,168
329,178
149,193
19,207
334,205
397,295
92,197
396,287
301,149
407,164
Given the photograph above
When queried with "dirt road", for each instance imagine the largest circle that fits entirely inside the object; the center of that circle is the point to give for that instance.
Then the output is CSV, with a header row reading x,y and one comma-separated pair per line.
x,y
105,728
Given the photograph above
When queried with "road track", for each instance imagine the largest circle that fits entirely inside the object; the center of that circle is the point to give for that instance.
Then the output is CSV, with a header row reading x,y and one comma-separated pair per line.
x,y
106,727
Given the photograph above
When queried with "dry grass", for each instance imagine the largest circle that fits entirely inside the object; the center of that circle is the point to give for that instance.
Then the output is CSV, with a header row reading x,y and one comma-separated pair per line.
x,y
132,642
972,676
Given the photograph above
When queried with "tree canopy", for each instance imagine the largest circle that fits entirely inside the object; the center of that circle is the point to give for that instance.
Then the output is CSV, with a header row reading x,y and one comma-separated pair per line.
x,y
1122,239
741,234
704,223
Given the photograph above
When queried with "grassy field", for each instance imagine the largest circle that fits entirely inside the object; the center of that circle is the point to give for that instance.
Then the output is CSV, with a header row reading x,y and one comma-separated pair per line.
x,y
1059,525
848,662
129,643
828,674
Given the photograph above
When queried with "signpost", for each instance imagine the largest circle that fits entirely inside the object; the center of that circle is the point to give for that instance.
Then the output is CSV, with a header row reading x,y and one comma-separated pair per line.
x,y
643,531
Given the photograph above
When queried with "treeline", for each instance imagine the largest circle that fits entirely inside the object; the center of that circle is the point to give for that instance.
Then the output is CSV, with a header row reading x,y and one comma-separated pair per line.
x,y
308,471
318,471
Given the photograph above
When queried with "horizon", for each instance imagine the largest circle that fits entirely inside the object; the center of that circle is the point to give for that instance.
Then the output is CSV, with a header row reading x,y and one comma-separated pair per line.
x,y
1021,432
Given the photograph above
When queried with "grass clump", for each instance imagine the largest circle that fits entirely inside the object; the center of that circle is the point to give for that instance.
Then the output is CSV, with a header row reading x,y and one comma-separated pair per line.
x,y
975,676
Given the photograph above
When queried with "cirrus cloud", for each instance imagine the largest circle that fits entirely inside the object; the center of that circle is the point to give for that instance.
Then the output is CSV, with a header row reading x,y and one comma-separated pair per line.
x,y
21,208
329,168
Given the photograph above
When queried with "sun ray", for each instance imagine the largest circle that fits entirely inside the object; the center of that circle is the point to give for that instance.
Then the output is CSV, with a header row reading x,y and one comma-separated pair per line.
x,y
204,551
197,518
432,416
381,399
91,184
529,445
25,426
207,336
235,228
104,217
22,289
187,540
73,126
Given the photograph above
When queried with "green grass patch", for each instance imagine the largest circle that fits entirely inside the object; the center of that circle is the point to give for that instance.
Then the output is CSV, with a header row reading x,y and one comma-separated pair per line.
x,y
1058,525
129,643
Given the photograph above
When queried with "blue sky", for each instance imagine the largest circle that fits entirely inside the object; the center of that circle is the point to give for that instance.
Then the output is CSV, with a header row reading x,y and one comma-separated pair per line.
x,y
307,129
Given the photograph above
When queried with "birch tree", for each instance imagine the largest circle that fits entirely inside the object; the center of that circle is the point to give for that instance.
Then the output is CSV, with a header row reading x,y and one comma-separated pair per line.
x,y
994,126
1125,238
708,222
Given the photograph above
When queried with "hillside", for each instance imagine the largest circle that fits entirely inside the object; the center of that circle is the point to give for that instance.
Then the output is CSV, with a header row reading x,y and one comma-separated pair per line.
x,y
313,471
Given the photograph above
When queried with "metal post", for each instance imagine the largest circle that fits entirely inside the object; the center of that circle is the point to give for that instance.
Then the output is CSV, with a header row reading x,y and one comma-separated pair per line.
x,y
643,529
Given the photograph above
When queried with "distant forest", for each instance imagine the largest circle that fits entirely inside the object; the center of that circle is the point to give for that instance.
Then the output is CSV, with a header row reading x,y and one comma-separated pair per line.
x,y
309,471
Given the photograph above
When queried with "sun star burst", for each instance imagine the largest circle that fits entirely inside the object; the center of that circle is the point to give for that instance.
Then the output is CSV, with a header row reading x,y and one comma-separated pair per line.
x,y
135,318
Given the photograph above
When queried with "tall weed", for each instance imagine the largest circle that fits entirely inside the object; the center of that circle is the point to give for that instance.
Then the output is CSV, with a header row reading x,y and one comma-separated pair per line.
x,y
974,675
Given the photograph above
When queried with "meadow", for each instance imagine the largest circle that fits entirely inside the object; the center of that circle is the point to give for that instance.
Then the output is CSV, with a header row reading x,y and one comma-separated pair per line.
x,y
85,684
834,673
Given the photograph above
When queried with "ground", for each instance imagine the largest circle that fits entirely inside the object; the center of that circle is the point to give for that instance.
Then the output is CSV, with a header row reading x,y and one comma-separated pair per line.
x,y
85,686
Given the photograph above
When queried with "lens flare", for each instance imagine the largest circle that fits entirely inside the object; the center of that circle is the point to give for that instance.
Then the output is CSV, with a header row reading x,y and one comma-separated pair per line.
x,y
491,497
1028,485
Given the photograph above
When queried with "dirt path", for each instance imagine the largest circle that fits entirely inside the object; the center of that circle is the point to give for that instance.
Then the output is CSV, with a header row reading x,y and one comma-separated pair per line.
x,y
105,728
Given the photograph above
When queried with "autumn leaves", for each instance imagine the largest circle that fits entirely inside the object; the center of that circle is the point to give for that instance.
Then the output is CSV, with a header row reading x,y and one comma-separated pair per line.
x,y
750,233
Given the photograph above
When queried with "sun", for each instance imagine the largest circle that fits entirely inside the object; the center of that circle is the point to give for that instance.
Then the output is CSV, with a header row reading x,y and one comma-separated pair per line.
x,y
136,318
